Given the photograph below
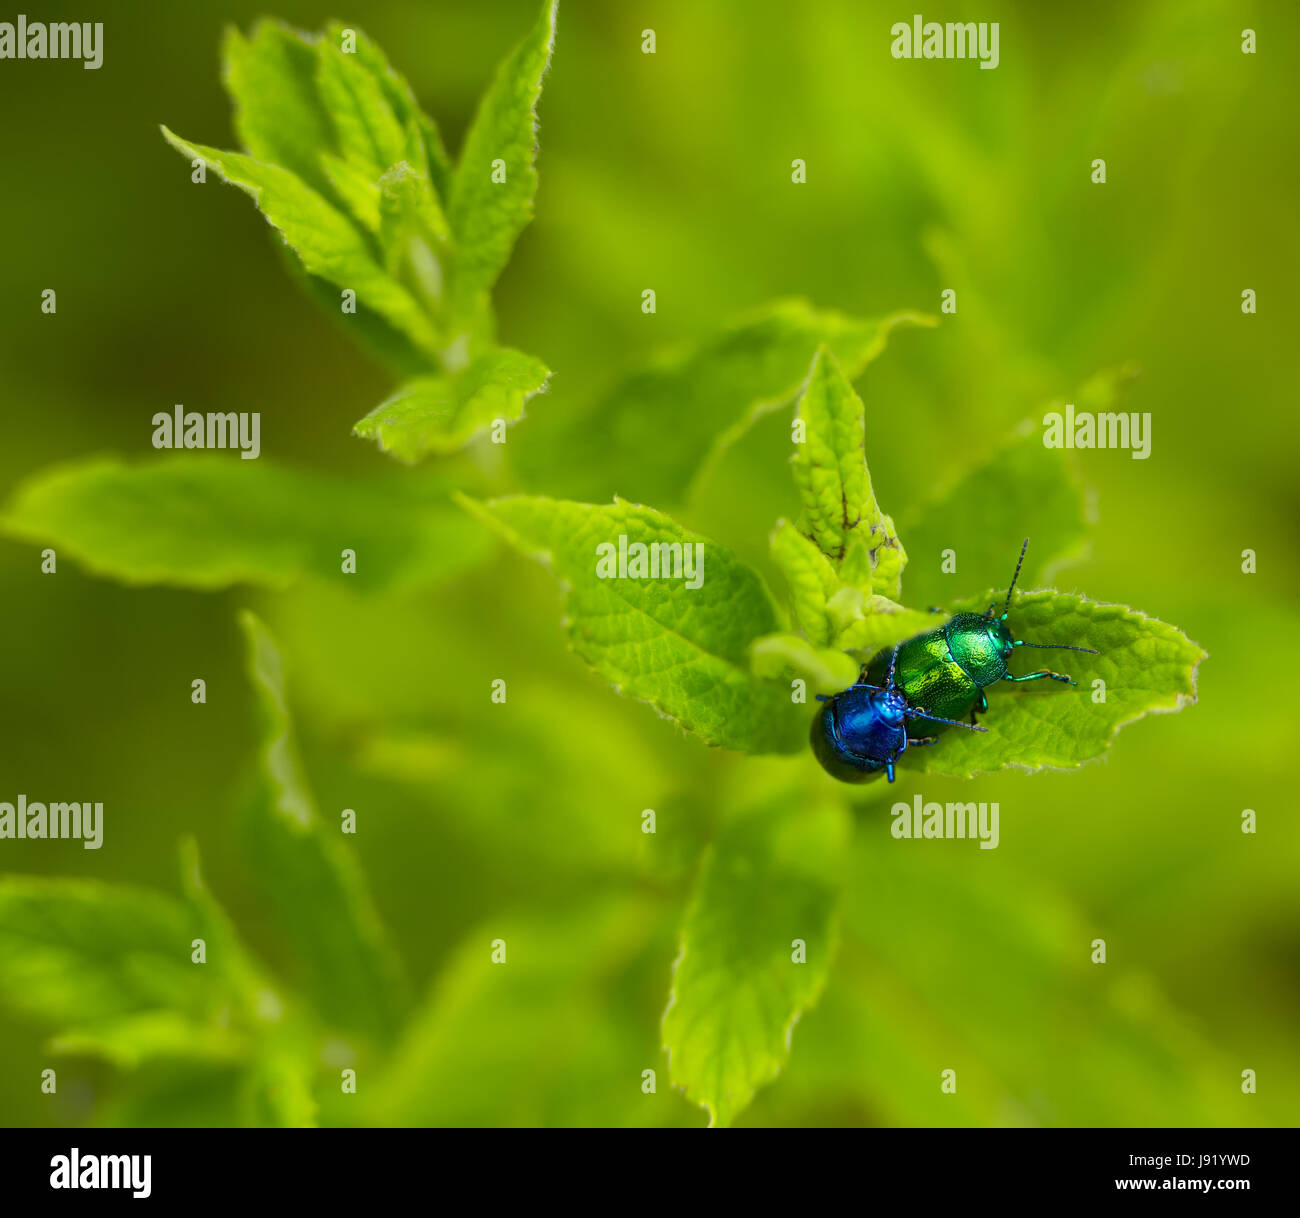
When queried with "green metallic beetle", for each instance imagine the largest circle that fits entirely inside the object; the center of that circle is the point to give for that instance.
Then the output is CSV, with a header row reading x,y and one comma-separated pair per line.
x,y
944,672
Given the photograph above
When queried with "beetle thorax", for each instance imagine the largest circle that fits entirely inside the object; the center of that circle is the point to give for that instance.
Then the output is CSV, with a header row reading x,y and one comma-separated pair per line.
x,y
980,645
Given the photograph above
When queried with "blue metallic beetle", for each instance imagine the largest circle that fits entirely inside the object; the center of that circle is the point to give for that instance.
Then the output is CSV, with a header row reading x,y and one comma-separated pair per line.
x,y
863,730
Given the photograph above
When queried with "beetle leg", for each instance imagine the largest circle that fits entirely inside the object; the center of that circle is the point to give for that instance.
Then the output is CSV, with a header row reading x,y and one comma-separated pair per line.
x,y
1040,674
889,770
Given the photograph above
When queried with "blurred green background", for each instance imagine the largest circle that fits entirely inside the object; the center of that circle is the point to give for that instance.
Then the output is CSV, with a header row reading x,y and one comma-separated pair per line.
x,y
672,171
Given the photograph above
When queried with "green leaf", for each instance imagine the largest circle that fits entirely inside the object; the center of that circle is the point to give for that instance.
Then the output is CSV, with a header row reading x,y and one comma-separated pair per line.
x,y
250,987
771,879
356,187
402,101
368,132
132,1040
1148,667
413,233
831,612
206,521
811,578
705,398
207,1092
783,656
325,240
435,414
375,333
486,216
280,1067
110,968
282,1089
201,1095
864,624
271,78
78,952
408,207
682,649
312,878
840,512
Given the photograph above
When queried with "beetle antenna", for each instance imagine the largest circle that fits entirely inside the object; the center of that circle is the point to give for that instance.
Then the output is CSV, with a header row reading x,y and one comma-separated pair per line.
x,y
893,663
917,714
1092,651
1019,563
